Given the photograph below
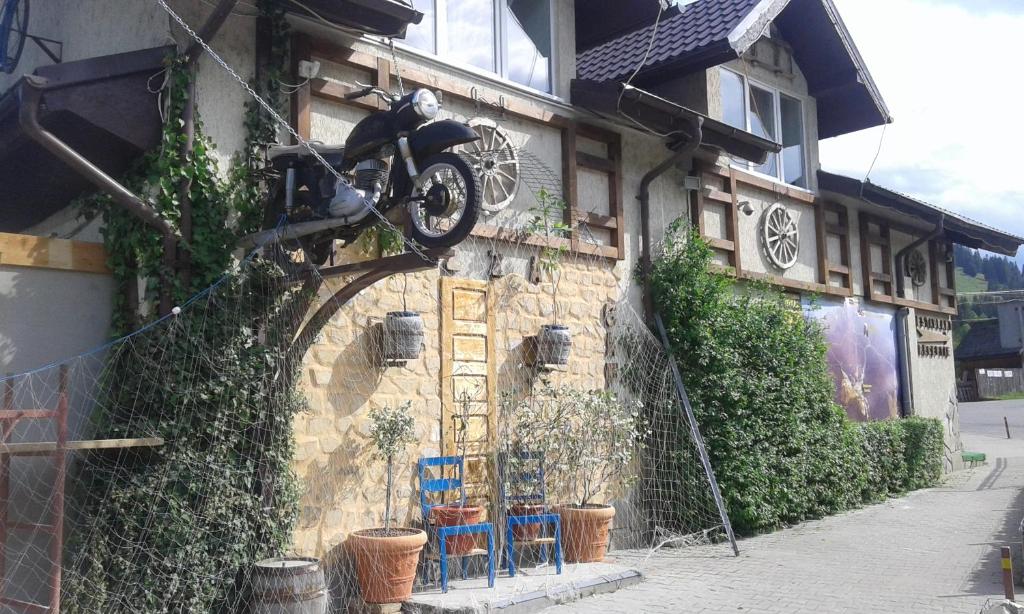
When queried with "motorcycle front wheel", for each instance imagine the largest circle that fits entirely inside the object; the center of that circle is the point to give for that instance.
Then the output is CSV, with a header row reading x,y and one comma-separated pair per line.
x,y
445,201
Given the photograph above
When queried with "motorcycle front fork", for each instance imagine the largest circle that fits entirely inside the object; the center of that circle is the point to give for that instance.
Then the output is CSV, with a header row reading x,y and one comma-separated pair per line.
x,y
410,163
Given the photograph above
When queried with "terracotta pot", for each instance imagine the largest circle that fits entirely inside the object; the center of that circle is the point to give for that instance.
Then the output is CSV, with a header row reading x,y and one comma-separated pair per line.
x,y
585,532
386,562
453,515
526,532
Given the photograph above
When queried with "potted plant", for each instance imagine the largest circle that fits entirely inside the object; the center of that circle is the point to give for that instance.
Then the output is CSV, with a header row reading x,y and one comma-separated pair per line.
x,y
590,440
554,341
452,514
519,462
386,557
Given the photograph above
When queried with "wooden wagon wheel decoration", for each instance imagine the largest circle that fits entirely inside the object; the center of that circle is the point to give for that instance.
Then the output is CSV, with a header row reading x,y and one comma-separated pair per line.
x,y
917,268
496,160
780,236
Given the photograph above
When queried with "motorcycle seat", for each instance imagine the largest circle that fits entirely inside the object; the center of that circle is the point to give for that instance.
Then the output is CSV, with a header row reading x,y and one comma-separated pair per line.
x,y
277,151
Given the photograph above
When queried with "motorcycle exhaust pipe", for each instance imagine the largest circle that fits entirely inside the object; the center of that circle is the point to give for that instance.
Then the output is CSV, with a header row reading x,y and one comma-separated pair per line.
x,y
302,229
289,190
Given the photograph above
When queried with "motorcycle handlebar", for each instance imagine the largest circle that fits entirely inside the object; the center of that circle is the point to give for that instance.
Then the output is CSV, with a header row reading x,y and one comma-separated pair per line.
x,y
366,91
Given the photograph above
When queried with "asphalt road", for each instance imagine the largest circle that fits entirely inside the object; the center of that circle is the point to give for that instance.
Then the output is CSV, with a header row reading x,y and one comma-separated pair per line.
x,y
982,428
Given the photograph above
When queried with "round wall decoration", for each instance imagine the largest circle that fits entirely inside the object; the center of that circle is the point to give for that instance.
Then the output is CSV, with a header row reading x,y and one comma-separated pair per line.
x,y
780,236
917,268
496,159
13,31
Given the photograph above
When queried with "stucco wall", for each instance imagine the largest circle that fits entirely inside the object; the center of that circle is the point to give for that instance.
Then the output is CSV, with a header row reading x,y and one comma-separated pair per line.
x,y
103,27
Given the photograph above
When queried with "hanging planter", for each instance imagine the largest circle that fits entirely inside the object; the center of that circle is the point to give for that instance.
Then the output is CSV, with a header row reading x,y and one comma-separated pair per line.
x,y
403,335
554,343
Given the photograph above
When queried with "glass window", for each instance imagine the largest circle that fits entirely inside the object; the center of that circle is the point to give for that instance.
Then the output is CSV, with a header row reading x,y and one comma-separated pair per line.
x,y
762,123
768,114
793,162
422,34
471,32
466,32
528,33
734,112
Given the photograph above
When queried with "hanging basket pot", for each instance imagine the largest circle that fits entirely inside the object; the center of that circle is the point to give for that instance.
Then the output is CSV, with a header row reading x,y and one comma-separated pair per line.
x,y
554,342
403,335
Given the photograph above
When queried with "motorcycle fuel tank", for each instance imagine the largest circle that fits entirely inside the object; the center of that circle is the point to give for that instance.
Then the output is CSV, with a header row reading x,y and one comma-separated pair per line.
x,y
369,135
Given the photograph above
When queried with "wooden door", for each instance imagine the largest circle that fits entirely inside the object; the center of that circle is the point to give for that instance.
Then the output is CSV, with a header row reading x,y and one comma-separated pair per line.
x,y
468,405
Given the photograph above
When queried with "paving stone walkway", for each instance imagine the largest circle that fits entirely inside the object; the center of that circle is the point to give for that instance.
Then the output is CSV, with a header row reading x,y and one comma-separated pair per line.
x,y
931,551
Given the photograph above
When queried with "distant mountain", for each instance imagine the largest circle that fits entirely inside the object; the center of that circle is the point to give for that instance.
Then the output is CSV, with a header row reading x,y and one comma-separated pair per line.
x,y
995,272
981,272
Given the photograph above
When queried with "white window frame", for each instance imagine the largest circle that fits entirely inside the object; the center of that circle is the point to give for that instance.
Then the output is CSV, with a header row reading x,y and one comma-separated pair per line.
x,y
779,158
499,46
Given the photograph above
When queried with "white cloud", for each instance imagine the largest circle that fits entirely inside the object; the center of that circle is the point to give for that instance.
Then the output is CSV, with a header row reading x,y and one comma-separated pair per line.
x,y
949,72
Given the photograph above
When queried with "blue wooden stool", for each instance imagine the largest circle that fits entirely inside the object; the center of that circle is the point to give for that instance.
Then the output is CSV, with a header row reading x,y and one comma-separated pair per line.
x,y
439,535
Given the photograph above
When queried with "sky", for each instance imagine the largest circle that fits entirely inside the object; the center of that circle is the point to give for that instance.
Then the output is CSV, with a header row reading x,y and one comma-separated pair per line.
x,y
949,71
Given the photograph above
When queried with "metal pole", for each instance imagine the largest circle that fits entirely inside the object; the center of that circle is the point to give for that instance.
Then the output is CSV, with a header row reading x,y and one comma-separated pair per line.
x,y
5,485
1006,423
698,440
60,460
1007,564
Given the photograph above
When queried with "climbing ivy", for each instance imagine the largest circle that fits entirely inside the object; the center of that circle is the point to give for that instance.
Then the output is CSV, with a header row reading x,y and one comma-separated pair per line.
x,y
232,409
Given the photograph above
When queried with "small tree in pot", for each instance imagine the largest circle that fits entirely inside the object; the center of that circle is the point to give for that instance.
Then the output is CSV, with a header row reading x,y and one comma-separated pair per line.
x,y
590,440
554,340
386,557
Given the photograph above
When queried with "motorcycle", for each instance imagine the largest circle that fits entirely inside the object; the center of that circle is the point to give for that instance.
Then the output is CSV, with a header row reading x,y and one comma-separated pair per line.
x,y
393,158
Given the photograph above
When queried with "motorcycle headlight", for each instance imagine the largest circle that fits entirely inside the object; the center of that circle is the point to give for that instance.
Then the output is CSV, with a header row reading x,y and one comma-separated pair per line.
x,y
425,103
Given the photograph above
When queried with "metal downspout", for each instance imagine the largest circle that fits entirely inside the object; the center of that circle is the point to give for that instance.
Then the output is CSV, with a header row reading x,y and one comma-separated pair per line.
x,y
31,95
691,145
903,347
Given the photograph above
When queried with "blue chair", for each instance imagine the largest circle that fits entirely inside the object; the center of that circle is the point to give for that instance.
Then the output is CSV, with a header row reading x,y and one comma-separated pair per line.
x,y
528,478
430,489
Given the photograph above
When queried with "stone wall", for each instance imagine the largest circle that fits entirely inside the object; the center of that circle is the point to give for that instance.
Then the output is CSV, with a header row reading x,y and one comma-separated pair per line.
x,y
342,478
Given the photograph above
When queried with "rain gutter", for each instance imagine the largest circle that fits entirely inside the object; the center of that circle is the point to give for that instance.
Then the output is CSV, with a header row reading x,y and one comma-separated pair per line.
x,y
31,93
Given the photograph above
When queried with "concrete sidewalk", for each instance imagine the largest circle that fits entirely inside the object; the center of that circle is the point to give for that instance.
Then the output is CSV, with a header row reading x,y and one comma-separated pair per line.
x,y
932,551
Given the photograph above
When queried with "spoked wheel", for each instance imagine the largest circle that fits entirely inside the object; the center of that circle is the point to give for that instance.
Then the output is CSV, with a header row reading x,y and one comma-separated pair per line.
x,y
13,32
445,201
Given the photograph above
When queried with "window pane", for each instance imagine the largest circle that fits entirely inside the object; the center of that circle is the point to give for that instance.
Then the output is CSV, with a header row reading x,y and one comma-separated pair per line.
x,y
471,32
793,142
528,27
733,111
762,123
421,35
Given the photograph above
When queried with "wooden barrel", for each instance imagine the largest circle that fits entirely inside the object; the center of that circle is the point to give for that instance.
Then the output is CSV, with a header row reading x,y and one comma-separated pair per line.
x,y
288,585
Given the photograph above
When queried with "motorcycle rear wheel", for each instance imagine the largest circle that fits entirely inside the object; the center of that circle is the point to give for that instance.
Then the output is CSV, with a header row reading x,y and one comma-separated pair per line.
x,y
446,201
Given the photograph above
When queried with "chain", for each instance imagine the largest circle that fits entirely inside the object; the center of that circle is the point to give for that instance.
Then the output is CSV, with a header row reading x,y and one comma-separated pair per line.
x,y
269,109
398,69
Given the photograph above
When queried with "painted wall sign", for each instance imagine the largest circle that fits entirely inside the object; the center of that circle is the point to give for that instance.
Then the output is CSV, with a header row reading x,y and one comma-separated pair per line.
x,y
861,356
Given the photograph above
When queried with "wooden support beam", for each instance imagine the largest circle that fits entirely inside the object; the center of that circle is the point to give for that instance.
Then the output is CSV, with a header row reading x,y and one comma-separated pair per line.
x,y
58,254
47,447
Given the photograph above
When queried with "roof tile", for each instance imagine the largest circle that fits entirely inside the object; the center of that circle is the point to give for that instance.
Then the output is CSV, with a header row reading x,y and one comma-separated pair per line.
x,y
680,31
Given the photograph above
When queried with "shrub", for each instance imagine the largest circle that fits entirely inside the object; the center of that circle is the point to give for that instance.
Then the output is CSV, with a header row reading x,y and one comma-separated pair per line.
x,y
885,452
756,373
925,447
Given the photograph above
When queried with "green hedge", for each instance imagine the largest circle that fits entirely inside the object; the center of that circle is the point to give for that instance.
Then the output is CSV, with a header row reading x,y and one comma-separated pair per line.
x,y
755,369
